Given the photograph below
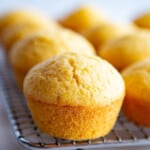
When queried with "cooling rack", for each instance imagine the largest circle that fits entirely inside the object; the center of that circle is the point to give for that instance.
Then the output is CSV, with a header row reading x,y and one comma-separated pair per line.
x,y
124,133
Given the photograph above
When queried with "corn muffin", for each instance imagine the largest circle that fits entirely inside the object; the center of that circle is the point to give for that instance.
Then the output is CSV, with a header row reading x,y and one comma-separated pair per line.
x,y
74,96
41,46
101,34
22,16
127,50
17,29
143,21
15,33
82,19
137,102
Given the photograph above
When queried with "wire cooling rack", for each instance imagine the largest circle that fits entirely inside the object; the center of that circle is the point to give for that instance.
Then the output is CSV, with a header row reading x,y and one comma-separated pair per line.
x,y
124,133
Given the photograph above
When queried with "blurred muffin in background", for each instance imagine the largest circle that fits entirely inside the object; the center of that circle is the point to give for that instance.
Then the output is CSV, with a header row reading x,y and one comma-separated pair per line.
x,y
127,50
22,16
143,21
82,19
17,32
137,102
101,34
30,51
14,27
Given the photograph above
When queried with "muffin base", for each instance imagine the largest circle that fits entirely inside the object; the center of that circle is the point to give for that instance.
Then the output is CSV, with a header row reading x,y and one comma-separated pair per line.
x,y
137,111
74,122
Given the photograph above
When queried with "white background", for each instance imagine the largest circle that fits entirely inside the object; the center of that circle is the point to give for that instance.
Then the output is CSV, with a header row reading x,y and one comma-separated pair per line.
x,y
115,10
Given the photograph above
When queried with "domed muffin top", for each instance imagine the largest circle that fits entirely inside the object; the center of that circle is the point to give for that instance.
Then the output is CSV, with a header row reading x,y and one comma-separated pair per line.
x,y
73,79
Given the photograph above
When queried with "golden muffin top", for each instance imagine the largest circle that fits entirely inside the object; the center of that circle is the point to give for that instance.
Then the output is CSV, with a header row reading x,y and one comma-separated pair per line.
x,y
73,79
143,20
43,45
127,50
21,16
102,33
82,19
137,80
17,32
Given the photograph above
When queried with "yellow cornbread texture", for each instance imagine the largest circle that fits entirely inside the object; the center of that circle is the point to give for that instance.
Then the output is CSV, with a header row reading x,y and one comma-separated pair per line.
x,y
82,19
21,16
127,50
16,29
41,46
73,96
137,102
101,34
143,21
18,32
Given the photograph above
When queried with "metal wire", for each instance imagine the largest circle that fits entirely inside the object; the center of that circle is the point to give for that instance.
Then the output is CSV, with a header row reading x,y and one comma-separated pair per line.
x,y
124,133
